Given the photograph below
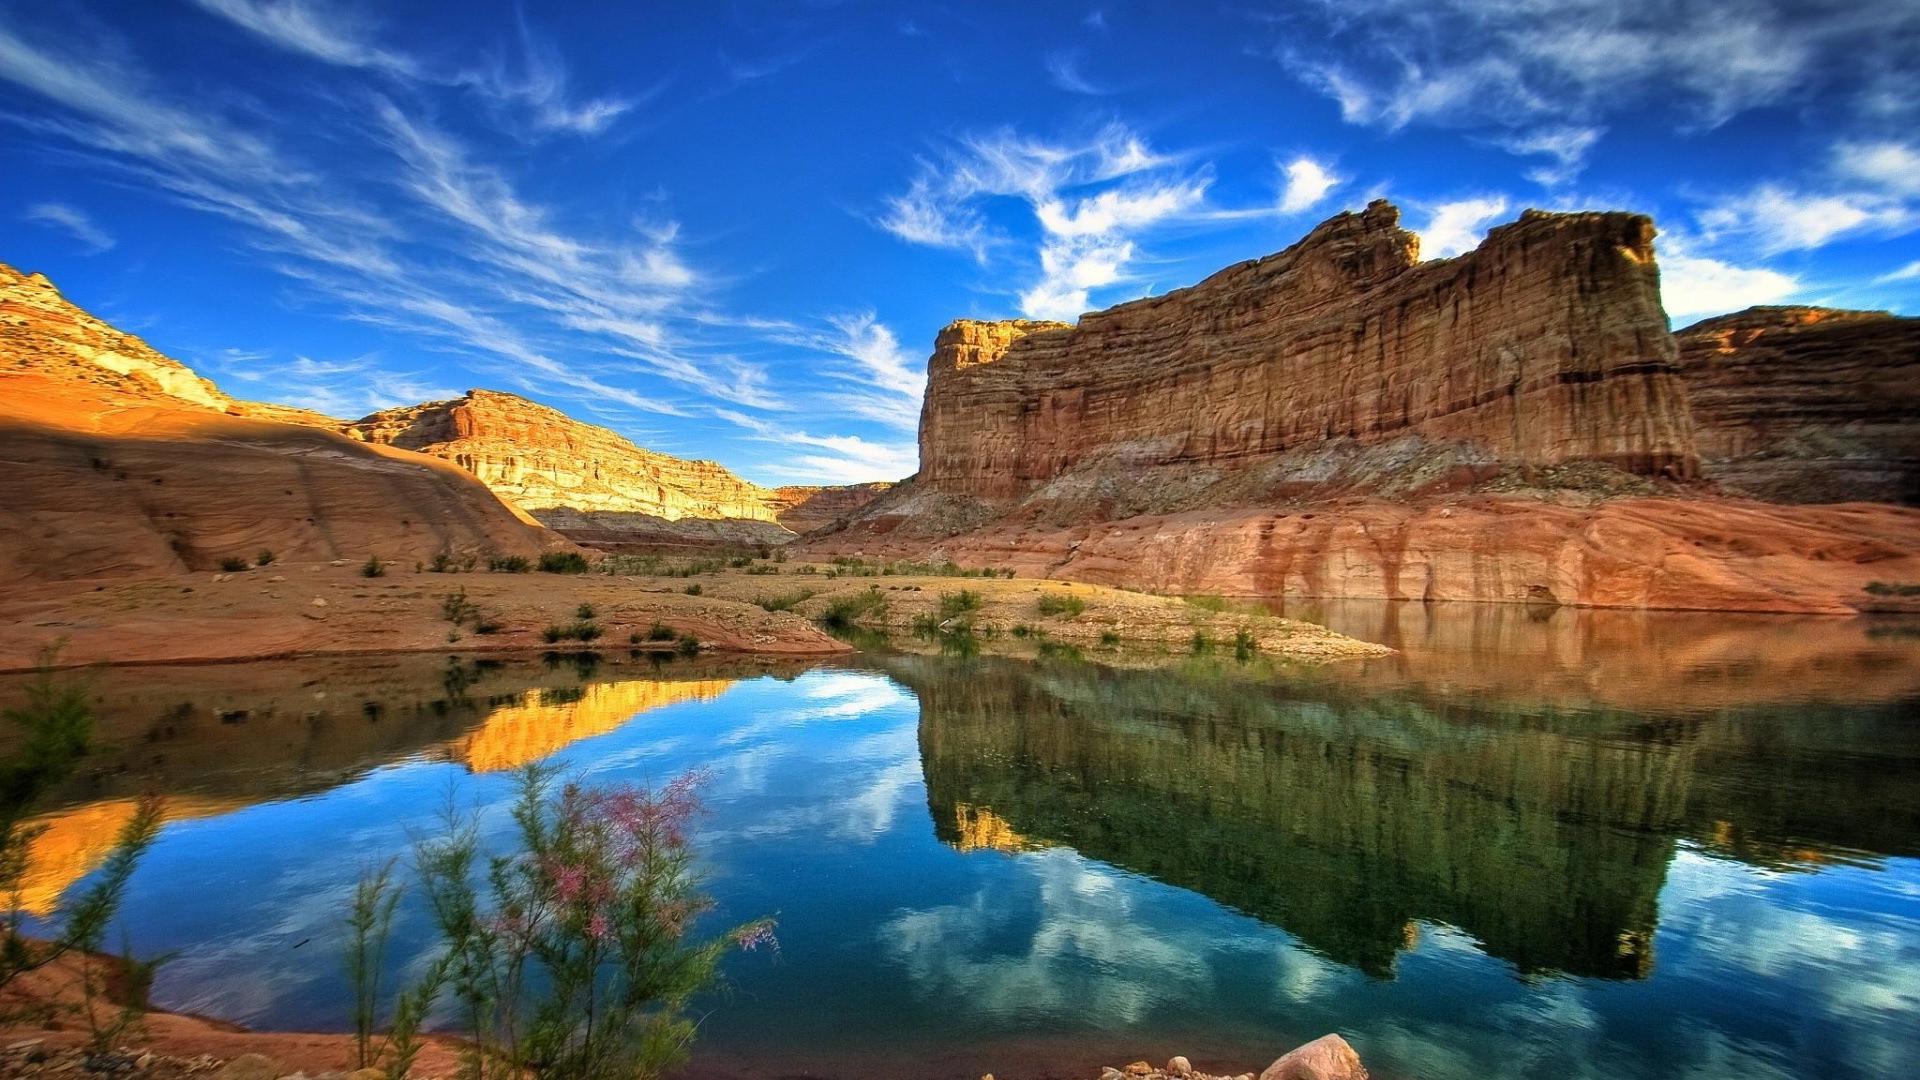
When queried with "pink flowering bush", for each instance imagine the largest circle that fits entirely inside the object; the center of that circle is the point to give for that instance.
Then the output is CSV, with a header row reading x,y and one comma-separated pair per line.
x,y
571,957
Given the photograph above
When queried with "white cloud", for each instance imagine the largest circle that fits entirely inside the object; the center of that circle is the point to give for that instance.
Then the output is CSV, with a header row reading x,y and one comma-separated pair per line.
x,y
325,32
1891,166
1528,67
74,222
1905,273
1089,200
1694,287
1776,219
1567,146
1063,68
1307,183
1457,227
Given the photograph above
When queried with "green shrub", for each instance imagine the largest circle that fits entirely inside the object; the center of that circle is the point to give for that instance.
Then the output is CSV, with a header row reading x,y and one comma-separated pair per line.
x,y
1055,604
785,602
1109,639
457,609
584,611
553,634
372,567
487,626
964,602
580,630
563,562
568,957
659,631
1202,643
509,564
1883,588
232,564
1244,645
264,558
687,645
693,589
847,611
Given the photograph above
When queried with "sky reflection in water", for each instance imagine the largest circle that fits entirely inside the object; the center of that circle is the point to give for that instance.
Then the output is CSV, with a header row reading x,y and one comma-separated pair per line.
x,y
989,865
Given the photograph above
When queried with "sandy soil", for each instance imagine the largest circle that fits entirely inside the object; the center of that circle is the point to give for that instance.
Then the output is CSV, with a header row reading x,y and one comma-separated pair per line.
x,y
319,609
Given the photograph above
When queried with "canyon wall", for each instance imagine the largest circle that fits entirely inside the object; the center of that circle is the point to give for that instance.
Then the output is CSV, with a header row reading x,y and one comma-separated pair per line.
x,y
1340,420
1807,405
122,463
541,458
1544,346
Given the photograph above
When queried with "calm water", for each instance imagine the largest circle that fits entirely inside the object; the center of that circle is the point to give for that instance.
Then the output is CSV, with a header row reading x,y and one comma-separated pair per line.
x,y
1540,845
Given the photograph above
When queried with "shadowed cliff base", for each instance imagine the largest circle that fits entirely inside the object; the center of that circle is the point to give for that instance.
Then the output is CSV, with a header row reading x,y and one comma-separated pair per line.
x,y
1341,420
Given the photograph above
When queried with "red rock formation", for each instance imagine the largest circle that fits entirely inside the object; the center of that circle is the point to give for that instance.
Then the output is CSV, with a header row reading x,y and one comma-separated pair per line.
x,y
1546,345
1338,420
122,463
540,458
1807,405
804,508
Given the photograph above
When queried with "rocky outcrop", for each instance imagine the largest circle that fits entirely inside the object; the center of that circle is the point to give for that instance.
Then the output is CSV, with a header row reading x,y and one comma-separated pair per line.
x,y
1339,420
1546,345
122,463
540,458
1807,405
804,508
597,487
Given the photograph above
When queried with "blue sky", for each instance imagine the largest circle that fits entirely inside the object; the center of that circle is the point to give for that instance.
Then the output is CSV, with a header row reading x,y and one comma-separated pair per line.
x,y
731,230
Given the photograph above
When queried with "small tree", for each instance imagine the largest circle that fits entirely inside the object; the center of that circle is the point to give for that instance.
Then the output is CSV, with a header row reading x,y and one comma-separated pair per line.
x,y
572,960
57,726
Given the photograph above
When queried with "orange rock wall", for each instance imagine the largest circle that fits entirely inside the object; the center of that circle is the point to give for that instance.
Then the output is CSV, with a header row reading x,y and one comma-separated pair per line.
x,y
1545,345
541,458
1807,405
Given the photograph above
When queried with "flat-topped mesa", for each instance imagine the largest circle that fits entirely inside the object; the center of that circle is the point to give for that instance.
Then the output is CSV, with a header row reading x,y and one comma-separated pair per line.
x,y
541,459
1545,345
1806,404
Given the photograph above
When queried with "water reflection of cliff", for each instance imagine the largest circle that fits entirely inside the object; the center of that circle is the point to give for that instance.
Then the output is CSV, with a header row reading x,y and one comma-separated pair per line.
x,y
1347,815
214,739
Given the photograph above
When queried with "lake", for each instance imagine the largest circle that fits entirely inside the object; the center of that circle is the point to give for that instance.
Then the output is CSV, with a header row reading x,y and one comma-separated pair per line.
x,y
1534,843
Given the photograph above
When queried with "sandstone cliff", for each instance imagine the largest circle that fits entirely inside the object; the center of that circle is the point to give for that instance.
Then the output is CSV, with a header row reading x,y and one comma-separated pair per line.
x,y
1546,345
540,458
1342,420
123,463
1807,405
596,486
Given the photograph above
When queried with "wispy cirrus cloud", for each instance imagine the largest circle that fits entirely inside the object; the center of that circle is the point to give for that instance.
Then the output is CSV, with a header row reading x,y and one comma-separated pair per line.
x,y
1063,70
1089,199
1527,69
74,222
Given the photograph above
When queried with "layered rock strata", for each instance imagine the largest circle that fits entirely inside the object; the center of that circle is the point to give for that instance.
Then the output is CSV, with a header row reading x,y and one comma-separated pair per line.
x,y
1544,346
540,458
597,487
1807,405
1338,420
120,462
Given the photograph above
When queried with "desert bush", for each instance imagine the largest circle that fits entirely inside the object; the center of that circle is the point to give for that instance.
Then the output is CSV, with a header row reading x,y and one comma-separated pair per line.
x,y
1202,643
1884,588
687,645
844,612
509,564
568,958
964,602
1055,604
232,564
786,601
563,562
1244,645
1109,639
584,611
457,609
373,568
53,733
263,558
693,589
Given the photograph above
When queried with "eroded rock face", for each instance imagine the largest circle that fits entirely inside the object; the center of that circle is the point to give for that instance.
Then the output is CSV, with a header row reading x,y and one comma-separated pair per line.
x,y
122,463
1807,405
1338,420
541,458
1544,346
804,508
